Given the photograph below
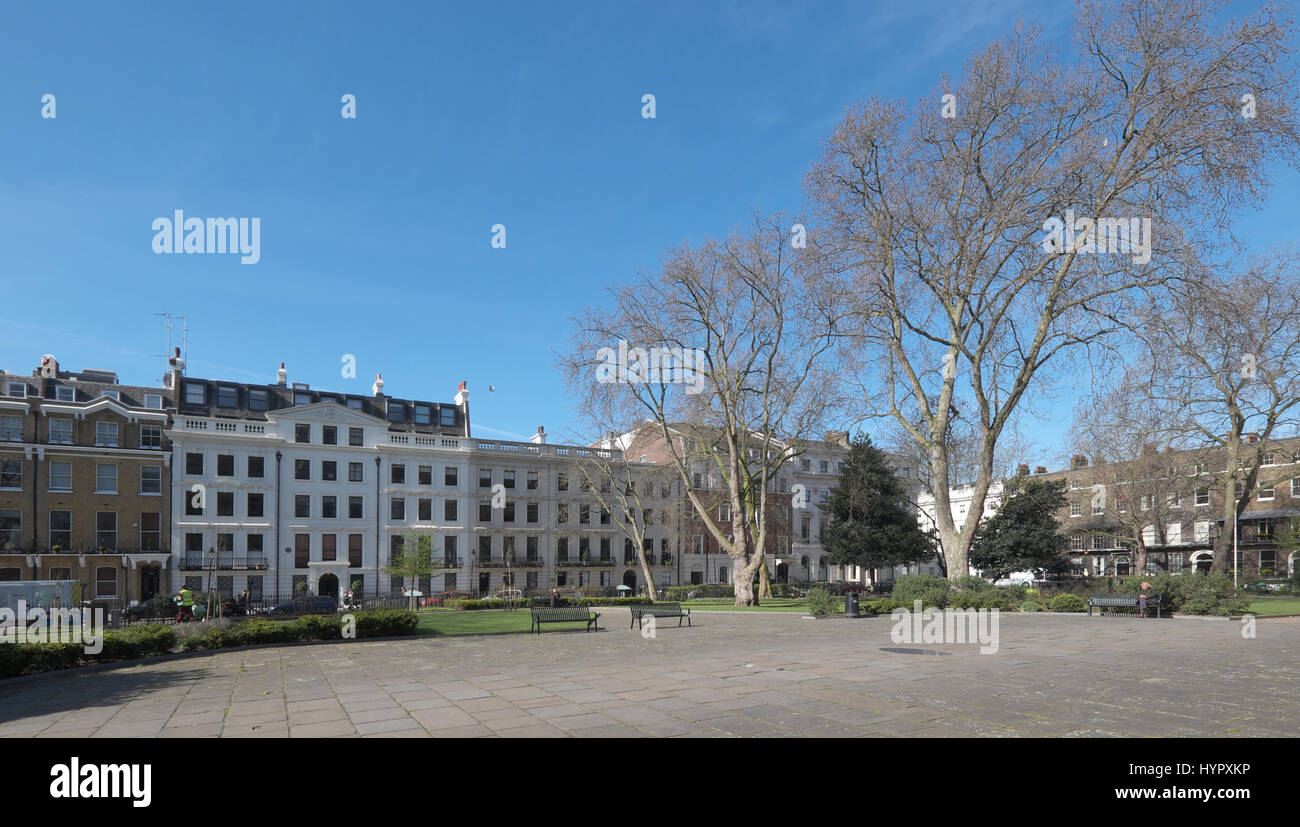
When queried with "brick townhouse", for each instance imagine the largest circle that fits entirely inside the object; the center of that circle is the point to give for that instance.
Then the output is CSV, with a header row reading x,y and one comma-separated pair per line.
x,y
85,482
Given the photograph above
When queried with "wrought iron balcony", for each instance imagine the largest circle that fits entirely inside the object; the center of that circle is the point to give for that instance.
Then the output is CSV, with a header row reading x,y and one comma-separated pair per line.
x,y
223,562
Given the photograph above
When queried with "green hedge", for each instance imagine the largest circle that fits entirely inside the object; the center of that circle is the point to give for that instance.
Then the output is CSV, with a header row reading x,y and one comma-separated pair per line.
x,y
138,642
373,623
143,641
820,603
933,592
1067,603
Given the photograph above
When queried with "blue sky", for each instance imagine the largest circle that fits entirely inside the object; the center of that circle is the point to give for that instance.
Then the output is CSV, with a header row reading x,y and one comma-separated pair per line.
x,y
376,231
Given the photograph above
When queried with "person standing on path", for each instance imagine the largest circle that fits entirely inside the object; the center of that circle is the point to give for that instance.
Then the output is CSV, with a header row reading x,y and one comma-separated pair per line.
x,y
186,604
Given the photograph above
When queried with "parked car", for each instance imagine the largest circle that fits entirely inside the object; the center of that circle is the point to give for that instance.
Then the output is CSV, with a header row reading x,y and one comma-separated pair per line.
x,y
306,605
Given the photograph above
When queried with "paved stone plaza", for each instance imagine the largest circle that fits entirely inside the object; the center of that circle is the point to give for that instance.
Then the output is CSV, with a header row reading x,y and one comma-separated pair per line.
x,y
754,674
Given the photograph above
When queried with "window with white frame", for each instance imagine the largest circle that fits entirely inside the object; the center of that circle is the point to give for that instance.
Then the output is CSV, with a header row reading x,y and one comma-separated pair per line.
x,y
1148,502
105,478
724,512
1265,493
18,389
1076,542
1174,534
150,479
60,431
65,393
150,436
11,428
1201,529
105,581
153,401
106,434
1175,562
60,476
1268,459
1202,496
11,473
106,530
1076,509
1295,487
1149,535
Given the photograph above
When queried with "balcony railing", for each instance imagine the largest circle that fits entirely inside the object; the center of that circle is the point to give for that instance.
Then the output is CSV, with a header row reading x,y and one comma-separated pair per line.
x,y
448,562
514,562
223,562
5,549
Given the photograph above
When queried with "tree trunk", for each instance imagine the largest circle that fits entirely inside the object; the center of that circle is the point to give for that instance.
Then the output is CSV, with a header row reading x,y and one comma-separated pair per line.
x,y
743,579
764,579
649,578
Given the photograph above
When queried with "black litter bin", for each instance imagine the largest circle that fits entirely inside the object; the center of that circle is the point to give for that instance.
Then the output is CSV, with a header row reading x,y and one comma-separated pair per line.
x,y
851,605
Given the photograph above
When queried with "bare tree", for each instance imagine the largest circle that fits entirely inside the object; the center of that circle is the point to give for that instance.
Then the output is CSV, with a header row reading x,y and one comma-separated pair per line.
x,y
1222,367
1138,484
970,276
727,337
631,493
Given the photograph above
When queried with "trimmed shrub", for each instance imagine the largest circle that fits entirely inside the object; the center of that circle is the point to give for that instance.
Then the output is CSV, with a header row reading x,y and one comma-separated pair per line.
x,y
883,605
1029,606
386,623
820,603
1015,593
970,582
933,592
1067,603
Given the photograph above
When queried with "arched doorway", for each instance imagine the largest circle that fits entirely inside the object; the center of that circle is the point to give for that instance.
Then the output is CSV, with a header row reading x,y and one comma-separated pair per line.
x,y
722,576
782,573
1201,561
1122,565
327,586
629,579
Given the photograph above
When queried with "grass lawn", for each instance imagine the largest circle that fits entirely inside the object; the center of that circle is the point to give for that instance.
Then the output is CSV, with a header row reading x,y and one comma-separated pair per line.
x,y
724,604
1264,606
487,622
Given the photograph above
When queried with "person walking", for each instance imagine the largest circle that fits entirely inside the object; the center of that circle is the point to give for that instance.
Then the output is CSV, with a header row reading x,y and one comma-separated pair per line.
x,y
185,602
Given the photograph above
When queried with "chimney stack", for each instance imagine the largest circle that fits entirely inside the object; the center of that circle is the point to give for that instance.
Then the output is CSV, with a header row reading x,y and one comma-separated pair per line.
x,y
378,388
539,438
282,376
462,401
1078,461
1022,470
177,367
1041,469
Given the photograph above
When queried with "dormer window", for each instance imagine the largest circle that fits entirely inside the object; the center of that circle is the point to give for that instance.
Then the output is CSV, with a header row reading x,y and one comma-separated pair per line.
x,y
195,393
354,404
423,415
227,396
302,399
65,393
257,400
447,417
396,412
18,389
153,401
